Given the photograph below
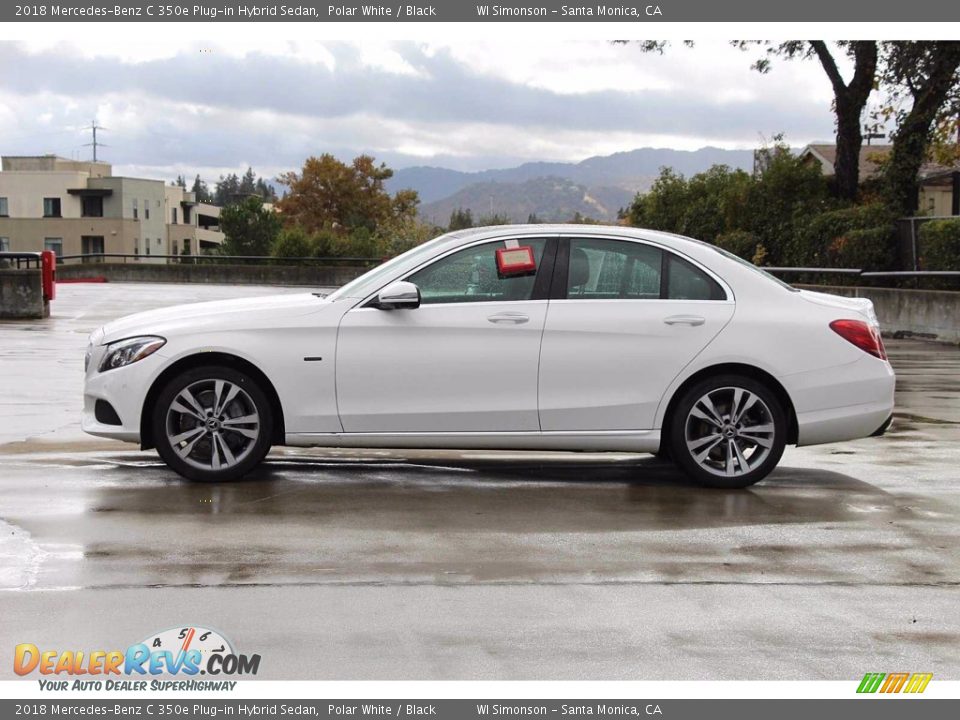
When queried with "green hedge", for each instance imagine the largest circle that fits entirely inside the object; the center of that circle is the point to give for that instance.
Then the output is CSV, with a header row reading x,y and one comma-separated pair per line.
x,y
940,245
862,236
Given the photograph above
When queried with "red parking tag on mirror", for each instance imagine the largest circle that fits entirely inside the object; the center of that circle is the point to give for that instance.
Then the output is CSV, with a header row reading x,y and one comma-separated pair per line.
x,y
516,261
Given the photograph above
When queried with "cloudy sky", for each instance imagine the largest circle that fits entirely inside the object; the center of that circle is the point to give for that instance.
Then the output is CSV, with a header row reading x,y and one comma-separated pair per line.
x,y
187,108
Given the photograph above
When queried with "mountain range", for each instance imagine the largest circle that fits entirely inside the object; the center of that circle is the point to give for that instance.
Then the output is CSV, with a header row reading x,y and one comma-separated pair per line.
x,y
596,187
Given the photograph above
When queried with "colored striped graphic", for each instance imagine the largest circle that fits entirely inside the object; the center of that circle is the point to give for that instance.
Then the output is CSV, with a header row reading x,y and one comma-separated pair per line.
x,y
894,682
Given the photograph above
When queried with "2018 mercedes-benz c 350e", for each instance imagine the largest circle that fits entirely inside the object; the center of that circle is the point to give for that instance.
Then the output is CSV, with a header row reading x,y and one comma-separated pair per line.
x,y
545,337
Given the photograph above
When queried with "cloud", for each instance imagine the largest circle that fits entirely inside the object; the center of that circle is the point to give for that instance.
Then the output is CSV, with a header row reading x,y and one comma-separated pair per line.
x,y
467,106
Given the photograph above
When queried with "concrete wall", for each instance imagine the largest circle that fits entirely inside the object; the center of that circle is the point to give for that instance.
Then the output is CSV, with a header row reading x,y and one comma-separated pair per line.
x,y
217,274
21,295
932,314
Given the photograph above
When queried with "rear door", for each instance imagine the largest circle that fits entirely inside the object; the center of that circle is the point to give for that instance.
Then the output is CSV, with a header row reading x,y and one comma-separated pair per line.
x,y
624,318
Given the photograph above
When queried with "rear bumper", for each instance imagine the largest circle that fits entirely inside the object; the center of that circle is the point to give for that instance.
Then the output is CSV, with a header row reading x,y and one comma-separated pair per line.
x,y
844,403
883,428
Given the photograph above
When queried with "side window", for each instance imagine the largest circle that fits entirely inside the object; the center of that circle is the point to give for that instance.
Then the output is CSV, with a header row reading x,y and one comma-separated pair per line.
x,y
470,275
613,269
686,282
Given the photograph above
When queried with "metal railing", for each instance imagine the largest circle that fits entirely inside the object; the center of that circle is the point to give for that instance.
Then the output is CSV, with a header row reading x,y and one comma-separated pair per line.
x,y
123,258
21,260
870,275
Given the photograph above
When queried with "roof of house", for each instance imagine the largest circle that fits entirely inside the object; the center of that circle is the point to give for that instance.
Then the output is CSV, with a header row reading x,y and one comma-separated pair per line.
x,y
870,155
870,158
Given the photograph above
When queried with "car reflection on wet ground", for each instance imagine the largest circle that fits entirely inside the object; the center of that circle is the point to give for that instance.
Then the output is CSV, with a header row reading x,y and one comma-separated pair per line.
x,y
458,565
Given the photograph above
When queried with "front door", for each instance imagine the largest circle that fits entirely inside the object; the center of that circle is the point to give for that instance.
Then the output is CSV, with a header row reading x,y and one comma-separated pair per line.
x,y
628,317
464,361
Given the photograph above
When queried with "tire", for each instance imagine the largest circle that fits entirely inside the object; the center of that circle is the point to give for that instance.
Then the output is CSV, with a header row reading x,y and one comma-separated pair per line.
x,y
719,450
205,446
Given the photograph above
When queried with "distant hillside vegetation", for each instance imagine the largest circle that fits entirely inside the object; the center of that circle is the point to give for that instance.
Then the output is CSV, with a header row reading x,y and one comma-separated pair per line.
x,y
549,198
596,187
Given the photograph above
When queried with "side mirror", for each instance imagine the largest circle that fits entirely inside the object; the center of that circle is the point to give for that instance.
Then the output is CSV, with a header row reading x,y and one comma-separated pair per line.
x,y
398,296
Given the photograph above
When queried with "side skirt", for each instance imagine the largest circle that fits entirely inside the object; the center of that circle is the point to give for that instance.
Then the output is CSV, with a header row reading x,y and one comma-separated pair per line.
x,y
642,441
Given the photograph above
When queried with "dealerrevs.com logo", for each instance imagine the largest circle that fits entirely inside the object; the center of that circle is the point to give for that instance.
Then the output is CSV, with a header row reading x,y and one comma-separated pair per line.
x,y
185,651
889,683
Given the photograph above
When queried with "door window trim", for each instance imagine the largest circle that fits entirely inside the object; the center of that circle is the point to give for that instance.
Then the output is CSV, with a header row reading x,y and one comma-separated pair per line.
x,y
542,285
561,272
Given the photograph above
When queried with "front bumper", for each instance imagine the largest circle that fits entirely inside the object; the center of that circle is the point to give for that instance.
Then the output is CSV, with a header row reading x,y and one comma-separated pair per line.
x,y
125,388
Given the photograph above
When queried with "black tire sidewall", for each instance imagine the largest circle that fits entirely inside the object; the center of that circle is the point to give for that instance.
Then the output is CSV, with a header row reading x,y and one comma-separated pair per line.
x,y
173,388
678,446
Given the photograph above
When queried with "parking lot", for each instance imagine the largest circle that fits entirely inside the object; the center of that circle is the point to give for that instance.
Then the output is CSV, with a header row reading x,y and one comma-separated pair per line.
x,y
478,565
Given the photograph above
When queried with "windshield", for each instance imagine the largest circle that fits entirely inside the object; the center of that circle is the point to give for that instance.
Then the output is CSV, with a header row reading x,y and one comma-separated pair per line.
x,y
373,277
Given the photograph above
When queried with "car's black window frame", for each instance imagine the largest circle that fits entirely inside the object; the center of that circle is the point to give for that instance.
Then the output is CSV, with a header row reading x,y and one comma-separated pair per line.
x,y
559,289
542,281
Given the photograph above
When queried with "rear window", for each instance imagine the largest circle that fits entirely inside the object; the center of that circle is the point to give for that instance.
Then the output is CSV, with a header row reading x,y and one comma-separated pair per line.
x,y
753,267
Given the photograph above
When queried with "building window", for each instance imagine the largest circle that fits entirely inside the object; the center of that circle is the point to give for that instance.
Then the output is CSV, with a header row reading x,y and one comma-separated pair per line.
x,y
146,210
173,215
147,247
4,208
55,244
4,244
91,207
51,207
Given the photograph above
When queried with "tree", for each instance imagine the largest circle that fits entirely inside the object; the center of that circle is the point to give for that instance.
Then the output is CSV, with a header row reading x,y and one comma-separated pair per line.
x,y
460,219
494,219
201,191
293,242
330,195
849,98
232,188
925,75
250,228
227,190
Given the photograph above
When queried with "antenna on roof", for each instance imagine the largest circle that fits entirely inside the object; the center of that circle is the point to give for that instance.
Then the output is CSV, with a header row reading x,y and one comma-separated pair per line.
x,y
93,128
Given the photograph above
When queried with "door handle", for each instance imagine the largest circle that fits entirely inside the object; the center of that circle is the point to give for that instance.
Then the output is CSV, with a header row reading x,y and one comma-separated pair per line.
x,y
692,320
512,318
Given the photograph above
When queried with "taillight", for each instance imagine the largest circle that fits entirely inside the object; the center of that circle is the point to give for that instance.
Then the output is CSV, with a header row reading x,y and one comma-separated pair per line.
x,y
863,335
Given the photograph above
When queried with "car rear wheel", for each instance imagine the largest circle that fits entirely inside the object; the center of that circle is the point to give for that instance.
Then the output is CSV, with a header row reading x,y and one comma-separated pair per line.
x,y
728,432
212,424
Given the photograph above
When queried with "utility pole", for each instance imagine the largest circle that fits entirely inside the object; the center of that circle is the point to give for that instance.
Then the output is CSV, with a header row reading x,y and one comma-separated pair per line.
x,y
93,128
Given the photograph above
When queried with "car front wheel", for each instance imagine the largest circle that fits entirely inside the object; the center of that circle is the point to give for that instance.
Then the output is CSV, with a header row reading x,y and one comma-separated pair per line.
x,y
728,432
212,424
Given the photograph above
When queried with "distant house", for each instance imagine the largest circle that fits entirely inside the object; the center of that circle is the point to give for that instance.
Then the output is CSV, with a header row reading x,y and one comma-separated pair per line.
x,y
939,184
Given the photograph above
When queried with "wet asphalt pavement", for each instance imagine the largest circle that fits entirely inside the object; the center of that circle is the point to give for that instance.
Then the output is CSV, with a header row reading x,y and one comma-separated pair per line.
x,y
478,565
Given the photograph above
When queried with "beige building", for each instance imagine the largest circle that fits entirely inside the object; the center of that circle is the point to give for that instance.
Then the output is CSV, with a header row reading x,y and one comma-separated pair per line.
x,y
81,208
939,185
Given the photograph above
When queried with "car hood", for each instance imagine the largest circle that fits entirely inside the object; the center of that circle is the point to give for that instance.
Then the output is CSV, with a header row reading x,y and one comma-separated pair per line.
x,y
860,305
209,316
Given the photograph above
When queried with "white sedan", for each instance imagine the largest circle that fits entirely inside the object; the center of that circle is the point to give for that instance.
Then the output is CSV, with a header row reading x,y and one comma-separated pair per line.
x,y
540,337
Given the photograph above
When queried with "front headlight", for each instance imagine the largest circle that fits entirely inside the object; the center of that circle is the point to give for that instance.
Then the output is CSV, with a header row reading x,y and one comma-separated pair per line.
x,y
125,352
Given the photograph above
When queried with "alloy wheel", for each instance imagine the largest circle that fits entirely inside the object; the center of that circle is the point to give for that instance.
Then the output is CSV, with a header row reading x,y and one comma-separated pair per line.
x,y
212,424
729,431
